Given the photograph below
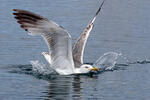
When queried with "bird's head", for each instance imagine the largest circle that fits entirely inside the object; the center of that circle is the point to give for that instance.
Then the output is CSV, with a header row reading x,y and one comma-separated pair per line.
x,y
87,68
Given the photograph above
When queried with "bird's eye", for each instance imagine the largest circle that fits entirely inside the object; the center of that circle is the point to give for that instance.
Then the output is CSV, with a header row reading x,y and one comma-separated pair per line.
x,y
86,67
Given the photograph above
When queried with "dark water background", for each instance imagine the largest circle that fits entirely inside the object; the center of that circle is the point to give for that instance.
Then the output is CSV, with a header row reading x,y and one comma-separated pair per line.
x,y
123,26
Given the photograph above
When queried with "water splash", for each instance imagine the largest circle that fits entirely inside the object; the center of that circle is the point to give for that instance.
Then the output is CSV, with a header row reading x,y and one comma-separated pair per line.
x,y
40,68
107,61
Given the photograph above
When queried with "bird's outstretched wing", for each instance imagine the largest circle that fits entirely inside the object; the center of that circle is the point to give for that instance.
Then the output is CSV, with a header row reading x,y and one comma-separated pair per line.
x,y
78,48
56,37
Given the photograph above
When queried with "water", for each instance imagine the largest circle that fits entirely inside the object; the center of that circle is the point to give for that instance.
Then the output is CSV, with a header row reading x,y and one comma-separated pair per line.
x,y
122,27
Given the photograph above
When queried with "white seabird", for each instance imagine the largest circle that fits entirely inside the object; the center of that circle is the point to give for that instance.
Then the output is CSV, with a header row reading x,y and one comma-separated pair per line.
x,y
62,57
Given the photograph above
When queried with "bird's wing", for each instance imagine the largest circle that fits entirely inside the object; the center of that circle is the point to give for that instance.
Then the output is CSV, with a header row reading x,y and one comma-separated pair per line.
x,y
78,48
56,37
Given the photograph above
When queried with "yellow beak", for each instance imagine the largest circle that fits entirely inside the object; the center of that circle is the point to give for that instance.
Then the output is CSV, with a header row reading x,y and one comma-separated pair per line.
x,y
94,69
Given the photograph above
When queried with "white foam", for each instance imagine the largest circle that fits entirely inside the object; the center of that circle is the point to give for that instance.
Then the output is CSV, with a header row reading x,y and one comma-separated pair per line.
x,y
107,61
41,68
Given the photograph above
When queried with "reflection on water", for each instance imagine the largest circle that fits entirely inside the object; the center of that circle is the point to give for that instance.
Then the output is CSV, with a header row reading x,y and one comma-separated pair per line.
x,y
76,86
59,89
66,88
63,88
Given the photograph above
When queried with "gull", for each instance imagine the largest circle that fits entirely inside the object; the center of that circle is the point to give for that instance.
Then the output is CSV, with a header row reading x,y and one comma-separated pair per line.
x,y
62,57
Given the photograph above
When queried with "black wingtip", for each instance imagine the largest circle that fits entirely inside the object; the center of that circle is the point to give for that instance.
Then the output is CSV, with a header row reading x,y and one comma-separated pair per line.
x,y
14,13
100,7
14,9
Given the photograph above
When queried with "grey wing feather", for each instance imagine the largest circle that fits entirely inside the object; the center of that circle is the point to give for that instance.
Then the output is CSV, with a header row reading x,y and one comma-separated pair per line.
x,y
78,48
56,37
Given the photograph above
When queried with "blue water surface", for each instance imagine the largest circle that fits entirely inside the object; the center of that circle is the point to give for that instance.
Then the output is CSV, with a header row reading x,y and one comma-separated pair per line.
x,y
123,26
